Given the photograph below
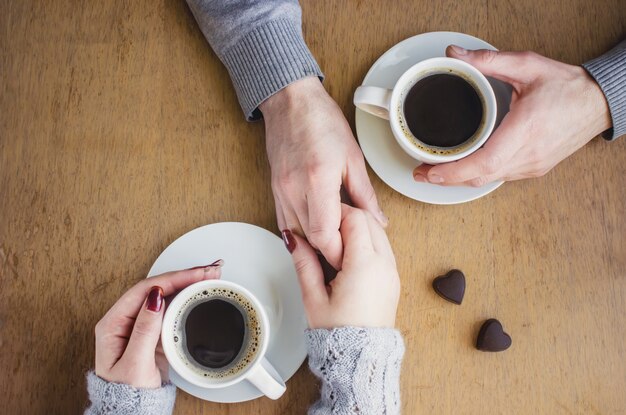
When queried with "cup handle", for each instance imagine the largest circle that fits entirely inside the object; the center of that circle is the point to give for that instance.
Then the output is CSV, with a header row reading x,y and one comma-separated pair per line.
x,y
373,100
267,380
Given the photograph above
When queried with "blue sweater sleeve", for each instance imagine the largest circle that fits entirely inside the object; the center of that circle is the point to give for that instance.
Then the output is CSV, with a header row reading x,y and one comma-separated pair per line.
x,y
260,42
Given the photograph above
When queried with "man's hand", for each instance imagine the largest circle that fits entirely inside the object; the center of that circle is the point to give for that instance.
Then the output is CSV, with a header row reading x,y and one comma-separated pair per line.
x,y
312,152
555,110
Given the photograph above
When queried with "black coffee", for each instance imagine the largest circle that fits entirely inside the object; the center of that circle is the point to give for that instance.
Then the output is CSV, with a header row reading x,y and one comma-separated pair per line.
x,y
443,110
215,332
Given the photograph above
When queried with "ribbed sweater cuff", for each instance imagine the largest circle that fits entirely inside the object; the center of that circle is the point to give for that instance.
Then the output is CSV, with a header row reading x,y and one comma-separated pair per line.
x,y
116,398
265,61
359,368
609,71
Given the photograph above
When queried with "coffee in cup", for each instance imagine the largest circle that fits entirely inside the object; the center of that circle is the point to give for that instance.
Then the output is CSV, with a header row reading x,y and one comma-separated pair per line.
x,y
442,113
439,110
215,334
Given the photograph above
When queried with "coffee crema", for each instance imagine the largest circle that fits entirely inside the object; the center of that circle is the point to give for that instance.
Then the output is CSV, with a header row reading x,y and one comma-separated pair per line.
x,y
442,113
217,333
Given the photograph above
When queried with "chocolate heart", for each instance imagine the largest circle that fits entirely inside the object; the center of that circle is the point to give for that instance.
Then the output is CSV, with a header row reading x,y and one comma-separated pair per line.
x,y
451,286
492,338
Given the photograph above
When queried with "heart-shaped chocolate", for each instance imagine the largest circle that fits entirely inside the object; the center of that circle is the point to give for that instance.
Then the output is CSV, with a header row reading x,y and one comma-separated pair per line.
x,y
451,286
492,338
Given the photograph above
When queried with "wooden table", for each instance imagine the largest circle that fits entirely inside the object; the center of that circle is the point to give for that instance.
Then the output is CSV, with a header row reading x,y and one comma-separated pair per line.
x,y
119,131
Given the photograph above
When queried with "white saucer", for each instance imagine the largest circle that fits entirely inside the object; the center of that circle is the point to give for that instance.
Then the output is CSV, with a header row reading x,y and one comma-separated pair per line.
x,y
256,259
380,148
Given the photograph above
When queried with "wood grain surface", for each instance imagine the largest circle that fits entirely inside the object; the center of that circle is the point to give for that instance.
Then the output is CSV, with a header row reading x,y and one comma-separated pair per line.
x,y
119,131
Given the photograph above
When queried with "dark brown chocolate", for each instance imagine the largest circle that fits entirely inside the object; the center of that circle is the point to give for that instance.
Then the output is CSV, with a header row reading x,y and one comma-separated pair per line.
x,y
451,286
492,338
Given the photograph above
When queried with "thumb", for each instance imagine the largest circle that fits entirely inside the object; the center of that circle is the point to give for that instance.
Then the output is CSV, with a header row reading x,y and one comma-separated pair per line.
x,y
309,270
361,192
510,67
147,328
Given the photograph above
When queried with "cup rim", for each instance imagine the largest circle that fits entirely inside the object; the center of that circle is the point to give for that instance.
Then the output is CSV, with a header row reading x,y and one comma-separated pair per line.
x,y
456,65
171,354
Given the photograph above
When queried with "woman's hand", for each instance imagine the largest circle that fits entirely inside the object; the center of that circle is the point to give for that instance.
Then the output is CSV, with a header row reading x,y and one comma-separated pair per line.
x,y
365,292
555,110
128,347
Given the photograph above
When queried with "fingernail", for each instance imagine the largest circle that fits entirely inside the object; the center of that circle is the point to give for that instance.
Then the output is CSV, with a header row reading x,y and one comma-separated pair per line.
x,y
433,178
155,299
459,50
289,240
218,263
419,177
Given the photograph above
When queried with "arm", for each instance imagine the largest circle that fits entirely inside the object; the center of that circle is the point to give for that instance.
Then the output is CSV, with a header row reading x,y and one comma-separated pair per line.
x,y
260,42
609,71
131,370
353,348
310,147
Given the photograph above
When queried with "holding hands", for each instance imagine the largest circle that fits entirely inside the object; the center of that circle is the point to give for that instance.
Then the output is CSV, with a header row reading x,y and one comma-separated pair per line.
x,y
365,292
555,110
312,152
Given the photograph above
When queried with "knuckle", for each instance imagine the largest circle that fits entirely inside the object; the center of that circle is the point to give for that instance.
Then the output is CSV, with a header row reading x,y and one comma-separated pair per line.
x,y
283,181
142,328
478,181
320,237
315,170
487,56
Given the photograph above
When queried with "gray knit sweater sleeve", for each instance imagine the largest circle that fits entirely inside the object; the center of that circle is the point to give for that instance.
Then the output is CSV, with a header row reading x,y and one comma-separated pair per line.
x,y
108,398
359,369
260,42
609,71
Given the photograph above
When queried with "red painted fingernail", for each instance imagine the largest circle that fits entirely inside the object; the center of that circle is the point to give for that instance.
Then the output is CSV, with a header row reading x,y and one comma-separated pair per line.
x,y
217,263
289,240
155,299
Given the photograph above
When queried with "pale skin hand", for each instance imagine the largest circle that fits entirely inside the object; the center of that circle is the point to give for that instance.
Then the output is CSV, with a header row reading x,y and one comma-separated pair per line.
x,y
128,349
312,152
555,110
365,292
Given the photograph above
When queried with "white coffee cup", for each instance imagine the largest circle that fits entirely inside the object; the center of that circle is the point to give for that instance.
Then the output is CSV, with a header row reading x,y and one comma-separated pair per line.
x,y
389,104
250,364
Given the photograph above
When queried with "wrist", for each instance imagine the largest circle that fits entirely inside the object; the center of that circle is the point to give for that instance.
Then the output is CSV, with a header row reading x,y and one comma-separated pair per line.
x,y
600,114
294,95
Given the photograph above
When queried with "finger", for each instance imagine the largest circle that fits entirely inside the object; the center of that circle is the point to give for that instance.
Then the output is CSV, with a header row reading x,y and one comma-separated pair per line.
x,y
488,162
355,233
361,192
324,217
292,221
280,216
511,67
171,282
380,241
147,329
309,270
420,173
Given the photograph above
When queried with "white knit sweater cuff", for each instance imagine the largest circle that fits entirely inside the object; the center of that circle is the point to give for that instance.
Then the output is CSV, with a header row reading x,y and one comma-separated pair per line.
x,y
359,369
116,398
